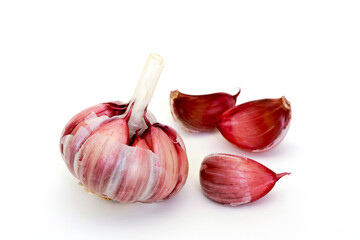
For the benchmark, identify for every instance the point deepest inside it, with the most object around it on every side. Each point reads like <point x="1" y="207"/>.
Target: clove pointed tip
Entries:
<point x="286" y="103"/>
<point x="237" y="94"/>
<point x="174" y="94"/>
<point x="280" y="175"/>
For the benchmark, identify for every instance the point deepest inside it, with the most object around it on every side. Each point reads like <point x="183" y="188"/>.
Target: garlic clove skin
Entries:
<point x="235" y="180"/>
<point x="153" y="168"/>
<point x="108" y="109"/>
<point x="97" y="159"/>
<point x="181" y="157"/>
<point x="256" y="126"/>
<point x="79" y="128"/>
<point x="171" y="160"/>
<point x="199" y="113"/>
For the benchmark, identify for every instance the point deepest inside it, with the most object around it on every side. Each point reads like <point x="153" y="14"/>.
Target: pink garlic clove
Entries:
<point x="199" y="113"/>
<point x="174" y="161"/>
<point x="79" y="128"/>
<point x="96" y="160"/>
<point x="234" y="180"/>
<point x="256" y="126"/>
<point x="109" y="109"/>
<point x="118" y="153"/>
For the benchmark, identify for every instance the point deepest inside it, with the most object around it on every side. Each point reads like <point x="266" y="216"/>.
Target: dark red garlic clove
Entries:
<point x="256" y="126"/>
<point x="234" y="180"/>
<point x="199" y="113"/>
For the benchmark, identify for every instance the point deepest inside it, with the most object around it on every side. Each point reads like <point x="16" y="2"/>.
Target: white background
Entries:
<point x="59" y="57"/>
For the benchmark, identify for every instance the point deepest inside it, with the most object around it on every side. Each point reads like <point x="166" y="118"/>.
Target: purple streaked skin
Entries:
<point x="97" y="149"/>
<point x="200" y="113"/>
<point x="79" y="128"/>
<point x="235" y="180"/>
<point x="256" y="126"/>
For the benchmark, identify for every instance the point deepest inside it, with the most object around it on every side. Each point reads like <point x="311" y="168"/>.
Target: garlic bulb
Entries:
<point x="258" y="125"/>
<point x="199" y="113"/>
<point x="119" y="152"/>
<point x="234" y="180"/>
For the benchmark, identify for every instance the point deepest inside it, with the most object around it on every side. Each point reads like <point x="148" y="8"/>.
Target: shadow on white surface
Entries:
<point x="74" y="200"/>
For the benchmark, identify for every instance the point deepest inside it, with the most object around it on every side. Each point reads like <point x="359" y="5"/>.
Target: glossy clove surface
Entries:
<point x="235" y="180"/>
<point x="256" y="126"/>
<point x="199" y="113"/>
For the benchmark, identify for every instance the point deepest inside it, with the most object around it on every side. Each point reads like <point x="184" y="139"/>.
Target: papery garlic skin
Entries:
<point x="79" y="128"/>
<point x="145" y="172"/>
<point x="159" y="137"/>
<point x="124" y="155"/>
<point x="200" y="113"/>
<point x="235" y="180"/>
<point x="256" y="126"/>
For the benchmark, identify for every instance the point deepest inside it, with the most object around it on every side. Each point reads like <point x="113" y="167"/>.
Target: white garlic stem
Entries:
<point x="144" y="91"/>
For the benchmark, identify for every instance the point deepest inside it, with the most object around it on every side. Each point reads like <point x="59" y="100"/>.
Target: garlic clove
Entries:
<point x="198" y="113"/>
<point x="182" y="158"/>
<point x="96" y="153"/>
<point x="256" y="126"/>
<point x="167" y="160"/>
<point x="234" y="180"/>
<point x="79" y="128"/>
<point x="108" y="109"/>
<point x="138" y="177"/>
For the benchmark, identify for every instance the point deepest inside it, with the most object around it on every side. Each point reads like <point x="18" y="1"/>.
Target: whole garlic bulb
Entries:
<point x="119" y="152"/>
